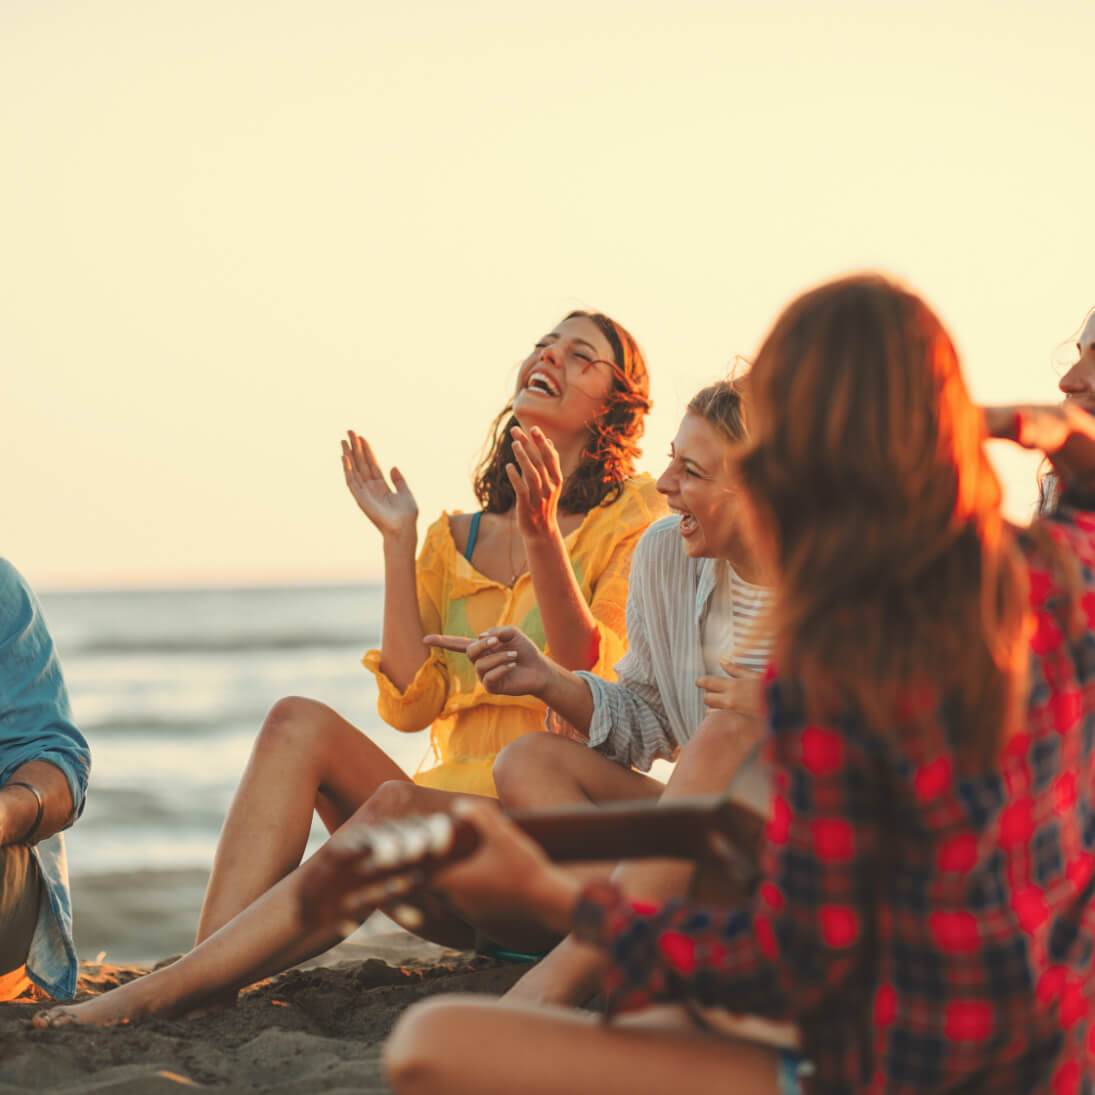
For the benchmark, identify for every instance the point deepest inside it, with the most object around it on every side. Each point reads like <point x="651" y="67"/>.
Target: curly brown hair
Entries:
<point x="608" y="459"/>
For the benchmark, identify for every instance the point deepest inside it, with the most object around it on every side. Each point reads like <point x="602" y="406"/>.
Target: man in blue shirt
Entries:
<point x="44" y="764"/>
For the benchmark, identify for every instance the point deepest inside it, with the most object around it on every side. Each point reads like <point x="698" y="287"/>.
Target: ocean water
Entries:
<point x="169" y="688"/>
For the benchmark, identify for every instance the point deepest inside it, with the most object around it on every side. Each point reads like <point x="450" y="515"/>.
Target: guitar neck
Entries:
<point x="639" y="830"/>
<point x="699" y="828"/>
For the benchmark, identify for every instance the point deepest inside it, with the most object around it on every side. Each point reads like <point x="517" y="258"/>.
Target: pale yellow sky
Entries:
<point x="230" y="229"/>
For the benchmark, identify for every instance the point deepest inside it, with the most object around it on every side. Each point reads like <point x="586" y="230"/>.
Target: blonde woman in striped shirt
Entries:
<point x="687" y="689"/>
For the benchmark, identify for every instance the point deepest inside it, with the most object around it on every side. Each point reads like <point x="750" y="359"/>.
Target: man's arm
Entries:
<point x="39" y="743"/>
<point x="26" y="818"/>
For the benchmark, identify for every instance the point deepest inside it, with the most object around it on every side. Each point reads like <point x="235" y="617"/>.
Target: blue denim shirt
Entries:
<point x="36" y="724"/>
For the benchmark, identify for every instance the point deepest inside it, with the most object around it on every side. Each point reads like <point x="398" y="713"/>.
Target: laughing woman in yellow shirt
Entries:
<point x="570" y="595"/>
<point x="549" y="552"/>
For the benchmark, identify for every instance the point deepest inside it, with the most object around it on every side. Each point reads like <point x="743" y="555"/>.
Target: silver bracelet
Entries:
<point x="29" y="838"/>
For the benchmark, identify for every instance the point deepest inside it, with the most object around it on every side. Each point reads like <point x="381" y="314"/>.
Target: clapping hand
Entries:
<point x="537" y="481"/>
<point x="393" y="511"/>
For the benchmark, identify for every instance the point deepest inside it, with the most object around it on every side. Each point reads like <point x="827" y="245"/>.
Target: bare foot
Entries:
<point x="129" y="1003"/>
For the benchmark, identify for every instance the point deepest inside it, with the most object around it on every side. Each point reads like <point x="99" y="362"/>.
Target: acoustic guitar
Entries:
<point x="381" y="860"/>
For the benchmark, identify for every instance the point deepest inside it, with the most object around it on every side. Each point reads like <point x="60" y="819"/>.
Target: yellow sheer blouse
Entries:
<point x="469" y="725"/>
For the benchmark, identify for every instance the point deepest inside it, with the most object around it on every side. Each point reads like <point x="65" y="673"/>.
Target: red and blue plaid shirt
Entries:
<point x="928" y="932"/>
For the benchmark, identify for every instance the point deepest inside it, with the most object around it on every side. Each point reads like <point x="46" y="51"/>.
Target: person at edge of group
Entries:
<point x="687" y="686"/>
<point x="924" y="914"/>
<point x="44" y="766"/>
<point x="1078" y="385"/>
<point x="562" y="512"/>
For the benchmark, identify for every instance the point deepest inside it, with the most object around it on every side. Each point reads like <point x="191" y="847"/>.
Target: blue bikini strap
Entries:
<point x="473" y="534"/>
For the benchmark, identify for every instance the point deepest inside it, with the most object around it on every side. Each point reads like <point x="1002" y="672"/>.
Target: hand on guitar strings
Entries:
<point x="476" y="861"/>
<point x="508" y="874"/>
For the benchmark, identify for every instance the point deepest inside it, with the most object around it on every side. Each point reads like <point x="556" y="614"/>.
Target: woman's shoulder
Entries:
<point x="660" y="544"/>
<point x="637" y="504"/>
<point x="660" y="557"/>
<point x="644" y="489"/>
<point x="460" y="529"/>
<point x="1052" y="546"/>
<point x="624" y="518"/>
<point x="446" y="534"/>
<point x="664" y="531"/>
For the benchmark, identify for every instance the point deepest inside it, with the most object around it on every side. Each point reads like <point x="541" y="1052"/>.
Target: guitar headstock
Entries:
<point x="366" y="865"/>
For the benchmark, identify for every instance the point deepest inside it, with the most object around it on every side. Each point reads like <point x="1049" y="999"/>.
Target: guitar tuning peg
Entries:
<point x="440" y="828"/>
<point x="407" y="916"/>
<point x="385" y="847"/>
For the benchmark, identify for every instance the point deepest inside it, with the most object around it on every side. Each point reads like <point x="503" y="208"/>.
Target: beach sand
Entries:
<point x="317" y="1028"/>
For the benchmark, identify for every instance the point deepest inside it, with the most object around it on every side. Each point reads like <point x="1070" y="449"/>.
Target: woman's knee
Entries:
<point x="527" y="764"/>
<point x="394" y="798"/>
<point x="419" y="1052"/>
<point x="294" y="721"/>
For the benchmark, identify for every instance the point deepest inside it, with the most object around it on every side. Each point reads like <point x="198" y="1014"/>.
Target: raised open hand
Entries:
<point x="537" y="481"/>
<point x="393" y="511"/>
<point x="507" y="661"/>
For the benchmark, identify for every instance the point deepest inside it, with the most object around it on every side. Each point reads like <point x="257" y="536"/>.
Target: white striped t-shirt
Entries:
<point x="732" y="628"/>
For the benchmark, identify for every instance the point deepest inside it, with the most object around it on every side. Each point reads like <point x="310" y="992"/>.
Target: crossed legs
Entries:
<point x="464" y="1045"/>
<point x="540" y="769"/>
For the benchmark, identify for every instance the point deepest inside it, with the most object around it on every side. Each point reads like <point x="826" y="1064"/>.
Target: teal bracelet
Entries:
<point x="29" y="838"/>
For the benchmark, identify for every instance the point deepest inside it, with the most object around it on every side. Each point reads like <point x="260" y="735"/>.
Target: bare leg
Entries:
<point x="306" y="758"/>
<point x="301" y="750"/>
<point x="706" y="765"/>
<point x="541" y="771"/>
<point x="263" y="939"/>
<point x="461" y="1045"/>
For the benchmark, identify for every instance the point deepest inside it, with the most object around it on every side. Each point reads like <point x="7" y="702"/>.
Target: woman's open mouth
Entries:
<point x="688" y="523"/>
<point x="541" y="383"/>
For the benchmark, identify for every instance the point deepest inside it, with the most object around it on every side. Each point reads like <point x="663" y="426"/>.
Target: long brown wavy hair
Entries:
<point x="896" y="568"/>
<point x="608" y="459"/>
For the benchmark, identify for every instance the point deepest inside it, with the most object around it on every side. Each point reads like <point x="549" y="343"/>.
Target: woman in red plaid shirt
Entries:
<point x="925" y="916"/>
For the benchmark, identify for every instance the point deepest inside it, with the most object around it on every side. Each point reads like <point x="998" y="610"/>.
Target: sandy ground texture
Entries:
<point x="317" y="1028"/>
